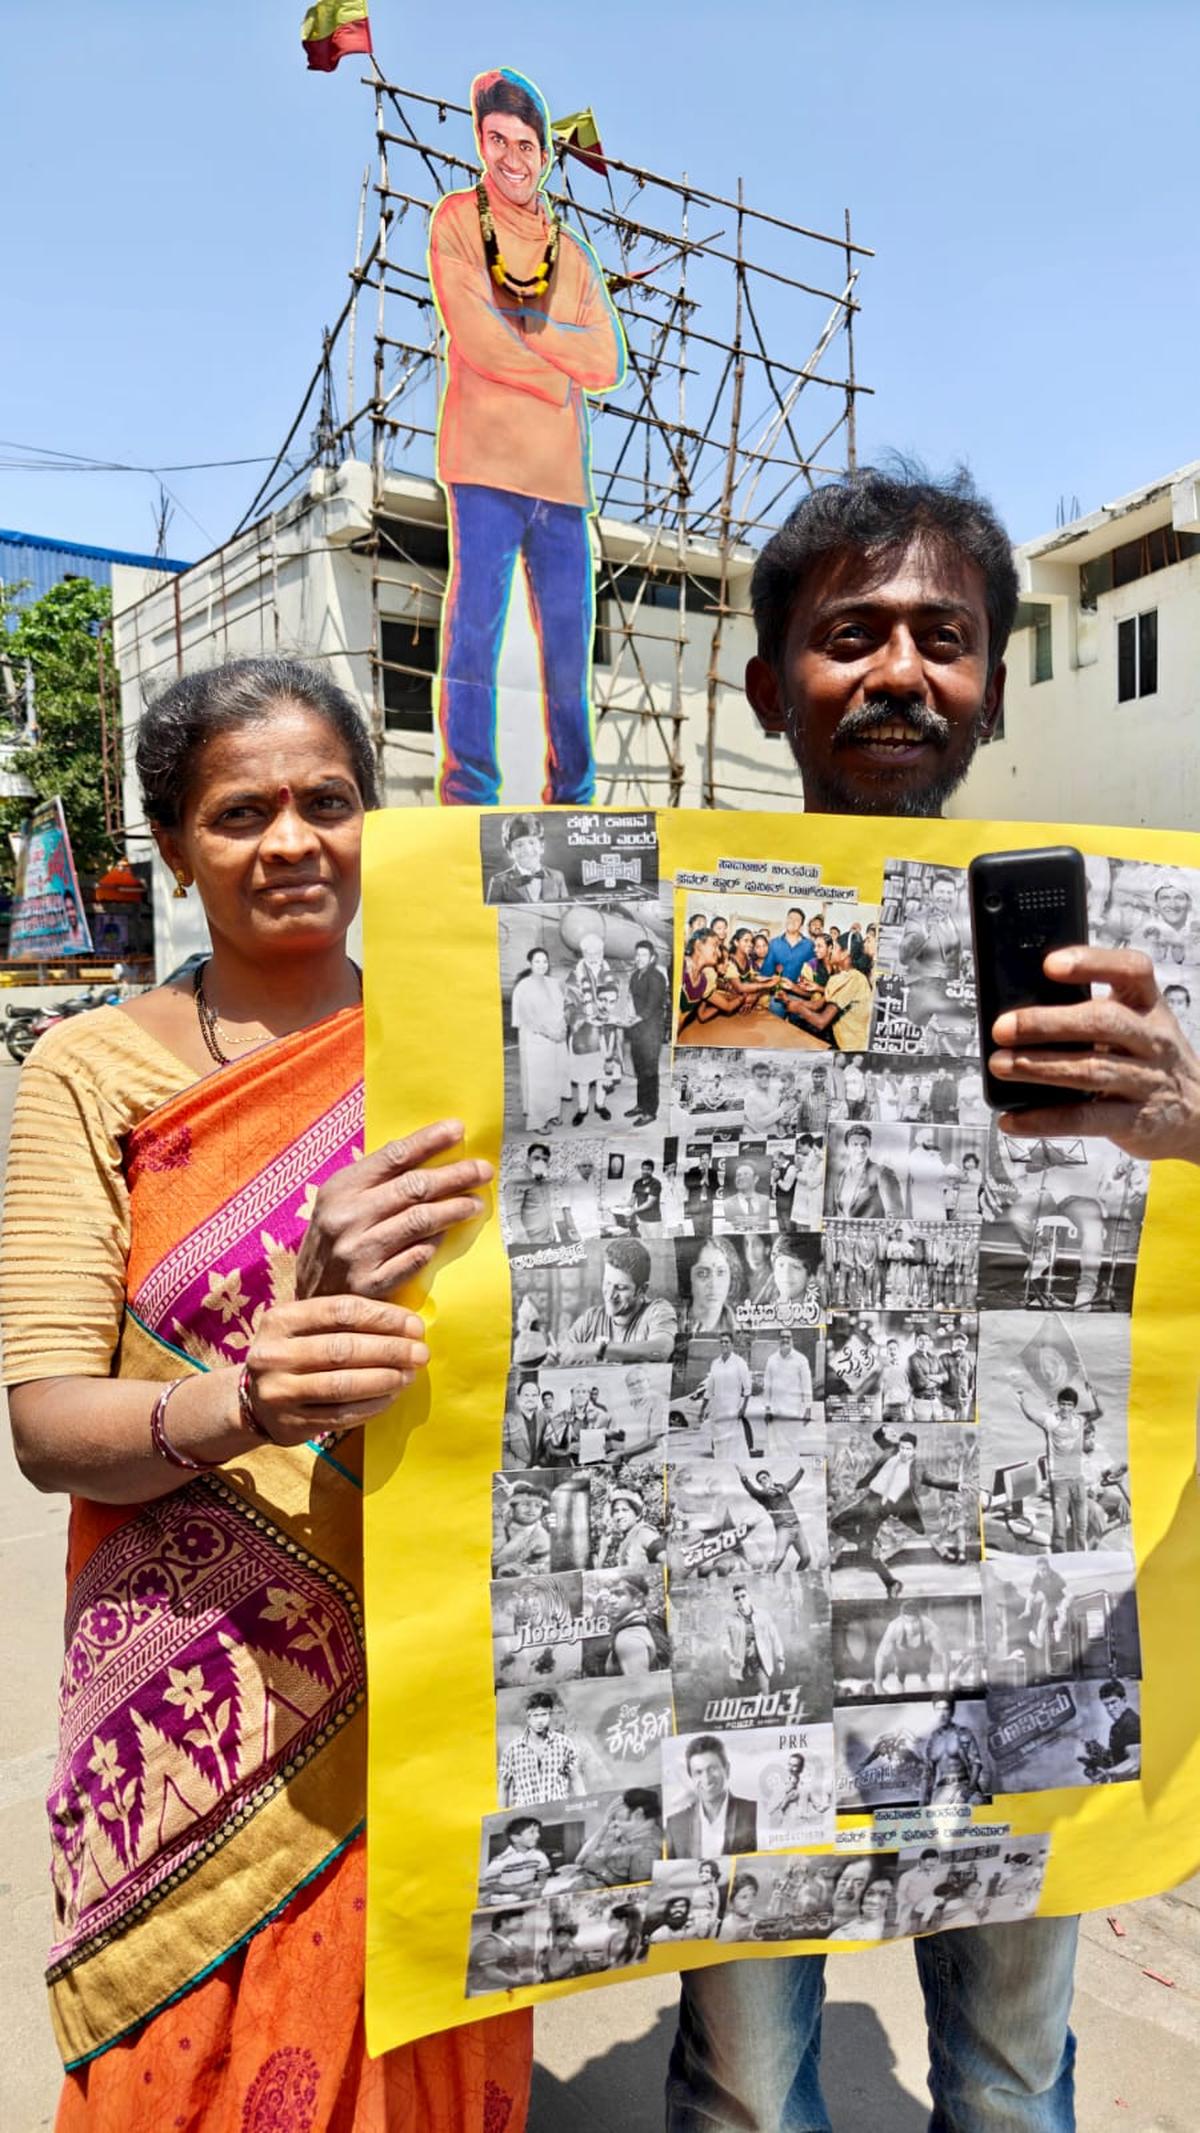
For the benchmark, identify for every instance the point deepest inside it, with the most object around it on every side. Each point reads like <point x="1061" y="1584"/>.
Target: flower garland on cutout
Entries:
<point x="498" y="266"/>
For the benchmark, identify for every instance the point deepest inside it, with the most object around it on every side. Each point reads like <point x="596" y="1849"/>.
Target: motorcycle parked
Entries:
<point x="24" y="1025"/>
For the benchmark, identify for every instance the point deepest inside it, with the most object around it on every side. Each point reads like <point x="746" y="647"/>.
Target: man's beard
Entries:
<point x="827" y="792"/>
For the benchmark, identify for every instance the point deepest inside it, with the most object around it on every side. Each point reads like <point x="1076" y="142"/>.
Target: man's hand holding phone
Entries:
<point x="1125" y="1055"/>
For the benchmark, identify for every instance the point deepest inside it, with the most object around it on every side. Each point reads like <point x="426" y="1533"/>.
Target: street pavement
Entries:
<point x="601" y="2055"/>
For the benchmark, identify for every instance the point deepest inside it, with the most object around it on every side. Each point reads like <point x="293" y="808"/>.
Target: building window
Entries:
<point x="409" y="656"/>
<point x="1041" y="666"/>
<point x="1137" y="656"/>
<point x="1156" y="550"/>
<point x="659" y="589"/>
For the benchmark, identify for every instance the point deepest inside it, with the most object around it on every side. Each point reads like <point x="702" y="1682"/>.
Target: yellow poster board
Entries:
<point x="436" y="1028"/>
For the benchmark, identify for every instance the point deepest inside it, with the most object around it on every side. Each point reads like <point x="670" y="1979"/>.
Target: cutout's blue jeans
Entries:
<point x="997" y="2000"/>
<point x="490" y="528"/>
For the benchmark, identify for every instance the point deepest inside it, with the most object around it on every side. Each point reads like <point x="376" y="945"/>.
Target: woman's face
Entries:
<point x="791" y="1278"/>
<point x="271" y="834"/>
<point x="710" y="1283"/>
<point x="539" y="963"/>
<point x="875" y="1902"/>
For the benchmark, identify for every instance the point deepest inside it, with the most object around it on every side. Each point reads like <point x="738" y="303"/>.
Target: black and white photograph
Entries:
<point x="757" y="1281"/>
<point x="1138" y="903"/>
<point x="580" y="1737"/>
<point x="986" y="1884"/>
<point x="701" y="1884"/>
<point x="875" y="1172"/>
<point x="759" y="1094"/>
<point x="625" y="1613"/>
<point x="903" y="1510"/>
<point x="916" y="1644"/>
<point x="538" y="1629"/>
<point x="1066" y="1733"/>
<point x="603" y="1841"/>
<point x="725" y="1519"/>
<point x="762" y="973"/>
<point x="1053" y="1401"/>
<point x="506" y="1948"/>
<point x="926" y="1090"/>
<point x="549" y="1191"/>
<point x="750" y="1650"/>
<point x="602" y="1412"/>
<point x="925" y="993"/>
<point x="1060" y="1618"/>
<point x="782" y="1414"/>
<point x="584" y="991"/>
<point x="541" y="1522"/>
<point x="592" y="1930"/>
<point x="540" y="857"/>
<point x="805" y="1898"/>
<point x="901" y="1265"/>
<point x="641" y="1189"/>
<point x="928" y="1753"/>
<point x="614" y="1300"/>
<point x="900" y="1366"/>
<point x="1062" y="1221"/>
<point x="765" y="1789"/>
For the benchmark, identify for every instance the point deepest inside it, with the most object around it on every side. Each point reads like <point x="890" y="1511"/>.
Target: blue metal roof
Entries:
<point x="42" y="561"/>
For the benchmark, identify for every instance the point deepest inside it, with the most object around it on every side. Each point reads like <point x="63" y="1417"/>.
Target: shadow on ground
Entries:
<point x="622" y="2090"/>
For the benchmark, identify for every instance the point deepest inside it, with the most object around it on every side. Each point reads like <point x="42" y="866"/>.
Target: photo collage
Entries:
<point x="813" y="1486"/>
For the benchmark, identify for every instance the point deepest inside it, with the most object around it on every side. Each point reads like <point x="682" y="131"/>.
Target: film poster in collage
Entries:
<point x="812" y="1487"/>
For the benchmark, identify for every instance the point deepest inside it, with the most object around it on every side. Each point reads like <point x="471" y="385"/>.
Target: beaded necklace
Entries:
<point x="498" y="266"/>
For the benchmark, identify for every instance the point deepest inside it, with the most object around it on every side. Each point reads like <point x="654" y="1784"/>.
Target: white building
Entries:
<point x="310" y="581"/>
<point x="1102" y="710"/>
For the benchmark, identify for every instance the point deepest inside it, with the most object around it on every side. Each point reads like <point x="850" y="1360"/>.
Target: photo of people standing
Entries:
<point x="584" y="987"/>
<point x="529" y="334"/>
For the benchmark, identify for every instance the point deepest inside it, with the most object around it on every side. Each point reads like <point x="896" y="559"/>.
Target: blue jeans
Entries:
<point x="997" y="2001"/>
<point x="489" y="529"/>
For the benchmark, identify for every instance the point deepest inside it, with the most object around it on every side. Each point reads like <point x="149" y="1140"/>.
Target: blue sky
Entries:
<point x="181" y="198"/>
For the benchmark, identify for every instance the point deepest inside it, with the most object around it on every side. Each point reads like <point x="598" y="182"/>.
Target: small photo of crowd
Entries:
<point x="604" y="1841"/>
<point x="903" y="1510"/>
<point x="1066" y="1733"/>
<point x="580" y="1737"/>
<point x="578" y="1623"/>
<point x="551" y="1519"/>
<point x="758" y="1790"/>
<point x="913" y="1644"/>
<point x="750" y="1650"/>
<point x="1053" y="1401"/>
<point x="725" y="1519"/>
<point x="927" y="1753"/>
<point x="900" y="1366"/>
<point x="901" y="1265"/>
<point x="1062" y="1222"/>
<point x="931" y="1174"/>
<point x="925" y="994"/>
<point x="560" y="858"/>
<point x="586" y="999"/>
<point x="580" y="1417"/>
<point x="757" y="1094"/>
<point x="920" y="1091"/>
<point x="748" y="1395"/>
<point x="1060" y="1618"/>
<point x="765" y="973"/>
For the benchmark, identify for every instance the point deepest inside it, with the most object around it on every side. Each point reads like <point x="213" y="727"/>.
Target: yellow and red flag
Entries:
<point x="331" y="29"/>
<point x="581" y="135"/>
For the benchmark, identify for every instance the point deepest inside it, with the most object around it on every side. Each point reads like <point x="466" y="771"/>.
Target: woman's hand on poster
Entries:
<point x="330" y="1362"/>
<point x="1137" y="1076"/>
<point x="380" y="1221"/>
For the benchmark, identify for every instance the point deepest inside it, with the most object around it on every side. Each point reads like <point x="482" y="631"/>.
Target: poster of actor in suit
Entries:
<point x="530" y="334"/>
<point x="750" y="1650"/>
<point x="568" y="858"/>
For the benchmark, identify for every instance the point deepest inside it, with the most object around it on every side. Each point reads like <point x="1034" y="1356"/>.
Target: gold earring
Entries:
<point x="181" y="887"/>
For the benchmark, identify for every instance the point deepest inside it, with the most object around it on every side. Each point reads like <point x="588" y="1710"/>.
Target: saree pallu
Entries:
<point x="206" y="1806"/>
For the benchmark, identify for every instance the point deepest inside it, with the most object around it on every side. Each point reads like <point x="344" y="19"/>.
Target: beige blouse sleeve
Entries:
<point x="65" y="1237"/>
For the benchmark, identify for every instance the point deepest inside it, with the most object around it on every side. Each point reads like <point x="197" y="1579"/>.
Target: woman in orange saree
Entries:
<point x="206" y="1807"/>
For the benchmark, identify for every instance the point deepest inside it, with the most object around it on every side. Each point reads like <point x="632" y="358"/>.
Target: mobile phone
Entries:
<point x="1023" y="904"/>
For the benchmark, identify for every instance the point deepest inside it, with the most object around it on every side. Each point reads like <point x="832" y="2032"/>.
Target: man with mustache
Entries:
<point x="883" y="606"/>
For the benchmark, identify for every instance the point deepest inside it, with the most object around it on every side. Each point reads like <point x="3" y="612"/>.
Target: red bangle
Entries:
<point x="246" y="1410"/>
<point x="162" y="1443"/>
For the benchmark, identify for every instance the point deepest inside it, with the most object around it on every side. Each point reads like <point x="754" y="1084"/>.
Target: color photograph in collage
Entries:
<point x="925" y="986"/>
<point x="764" y="973"/>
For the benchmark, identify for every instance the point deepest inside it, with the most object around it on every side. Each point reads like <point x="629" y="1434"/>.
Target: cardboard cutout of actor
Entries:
<point x="530" y="331"/>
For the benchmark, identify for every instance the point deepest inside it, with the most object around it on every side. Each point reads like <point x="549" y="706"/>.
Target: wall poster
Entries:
<point x="789" y="1546"/>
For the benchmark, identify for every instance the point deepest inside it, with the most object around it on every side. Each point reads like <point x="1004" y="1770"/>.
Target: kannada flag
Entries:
<point x="331" y="29"/>
<point x="581" y="135"/>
